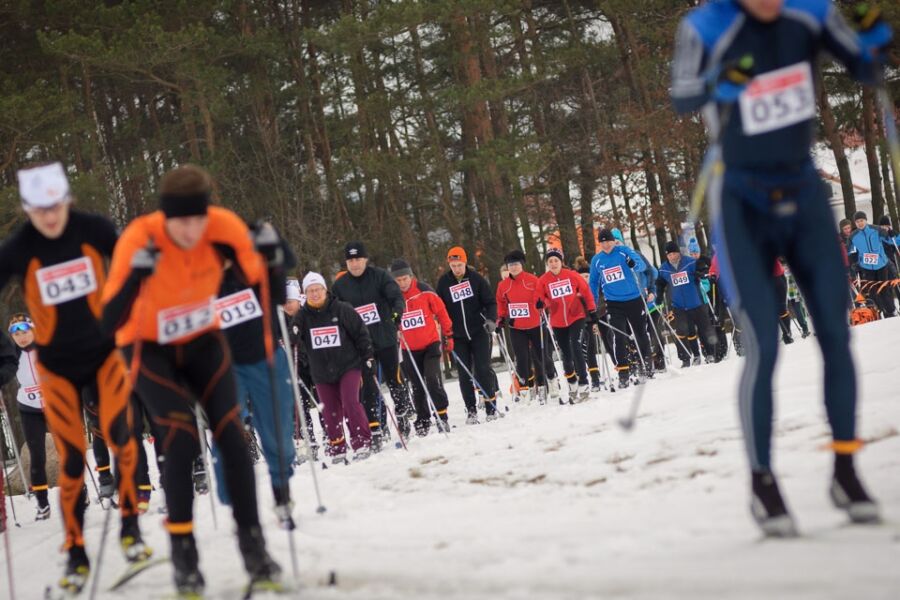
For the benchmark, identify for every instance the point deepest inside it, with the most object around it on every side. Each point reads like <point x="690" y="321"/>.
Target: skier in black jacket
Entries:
<point x="377" y="299"/>
<point x="337" y="347"/>
<point x="473" y="310"/>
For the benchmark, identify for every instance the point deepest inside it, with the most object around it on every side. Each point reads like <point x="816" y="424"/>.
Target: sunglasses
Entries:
<point x="20" y="326"/>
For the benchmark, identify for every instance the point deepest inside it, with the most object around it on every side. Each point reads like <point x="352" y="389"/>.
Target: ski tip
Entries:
<point x="321" y="510"/>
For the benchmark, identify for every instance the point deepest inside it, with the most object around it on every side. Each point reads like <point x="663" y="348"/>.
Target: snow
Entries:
<point x="558" y="502"/>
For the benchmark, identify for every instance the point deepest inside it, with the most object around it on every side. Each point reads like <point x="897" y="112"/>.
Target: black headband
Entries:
<point x="188" y="205"/>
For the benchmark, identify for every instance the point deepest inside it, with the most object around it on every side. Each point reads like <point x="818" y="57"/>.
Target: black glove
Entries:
<point x="539" y="304"/>
<point x="592" y="317"/>
<point x="490" y="326"/>
<point x="370" y="365"/>
<point x="268" y="243"/>
<point x="396" y="318"/>
<point x="630" y="262"/>
<point x="143" y="262"/>
<point x="501" y="323"/>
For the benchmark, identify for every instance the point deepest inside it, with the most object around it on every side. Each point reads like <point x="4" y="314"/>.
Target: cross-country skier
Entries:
<point x="423" y="321"/>
<point x="59" y="257"/>
<point x="375" y="296"/>
<point x="872" y="262"/>
<point x="751" y="63"/>
<point x="472" y="308"/>
<point x="691" y="314"/>
<point x="335" y="341"/>
<point x="519" y="302"/>
<point x="572" y="309"/>
<point x="613" y="275"/>
<point x="31" y="409"/>
<point x="160" y="297"/>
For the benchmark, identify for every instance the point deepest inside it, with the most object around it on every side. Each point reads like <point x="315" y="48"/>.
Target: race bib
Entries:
<point x="412" y="320"/>
<point x="680" y="278"/>
<point x="613" y="274"/>
<point x="778" y="99"/>
<point x="34" y="394"/>
<point x="519" y="311"/>
<point x="325" y="337"/>
<point x="560" y="289"/>
<point x="238" y="308"/>
<point x="870" y="259"/>
<point x="461" y="291"/>
<point x="66" y="281"/>
<point x="179" y="322"/>
<point x="369" y="313"/>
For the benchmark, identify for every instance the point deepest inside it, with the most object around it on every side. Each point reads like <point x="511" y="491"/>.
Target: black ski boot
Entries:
<point x="848" y="493"/>
<point x="768" y="507"/>
<point x="284" y="507"/>
<point x="106" y="484"/>
<point x="132" y="543"/>
<point x="78" y="570"/>
<point x="377" y="440"/>
<point x="265" y="574"/>
<point x="188" y="579"/>
<point x="422" y="427"/>
<point x="624" y="379"/>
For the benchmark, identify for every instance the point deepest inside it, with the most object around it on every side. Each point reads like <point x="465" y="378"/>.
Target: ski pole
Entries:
<point x="6" y="542"/>
<point x="12" y="504"/>
<point x="603" y="361"/>
<point x="201" y="432"/>
<point x="649" y="318"/>
<point x="507" y="359"/>
<point x="282" y="324"/>
<point x="15" y="447"/>
<point x="442" y="427"/>
<point x="390" y="413"/>
<point x="469" y="373"/>
<point x="627" y="422"/>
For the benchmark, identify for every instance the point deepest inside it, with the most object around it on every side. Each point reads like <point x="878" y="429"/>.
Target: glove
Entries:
<point x="501" y="323"/>
<point x="875" y="35"/>
<point x="490" y="327"/>
<point x="630" y="262"/>
<point x="731" y="79"/>
<point x="592" y="317"/>
<point x="268" y="243"/>
<point x="539" y="304"/>
<point x="396" y="317"/>
<point x="370" y="365"/>
<point x="143" y="262"/>
<point x="449" y="345"/>
<point x="650" y="298"/>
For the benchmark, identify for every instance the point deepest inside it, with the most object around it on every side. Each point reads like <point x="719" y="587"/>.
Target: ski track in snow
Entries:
<point x="558" y="502"/>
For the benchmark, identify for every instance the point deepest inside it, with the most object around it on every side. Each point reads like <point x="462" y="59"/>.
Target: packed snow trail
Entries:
<point x="558" y="502"/>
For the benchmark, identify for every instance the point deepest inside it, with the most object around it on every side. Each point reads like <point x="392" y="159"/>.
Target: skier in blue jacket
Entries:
<point x="691" y="315"/>
<point x="613" y="274"/>
<point x="867" y="244"/>
<point x="749" y="65"/>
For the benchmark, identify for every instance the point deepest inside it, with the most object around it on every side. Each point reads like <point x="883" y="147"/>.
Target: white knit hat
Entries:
<point x="293" y="289"/>
<point x="312" y="278"/>
<point x="42" y="187"/>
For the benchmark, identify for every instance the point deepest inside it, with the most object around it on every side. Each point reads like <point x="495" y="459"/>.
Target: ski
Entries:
<point x="135" y="569"/>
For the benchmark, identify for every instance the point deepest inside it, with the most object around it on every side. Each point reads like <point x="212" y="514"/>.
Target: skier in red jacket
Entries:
<point x="421" y="338"/>
<point x="519" y="302"/>
<point x="571" y="303"/>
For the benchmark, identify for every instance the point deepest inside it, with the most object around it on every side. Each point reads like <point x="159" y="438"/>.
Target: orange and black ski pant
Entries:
<point x="171" y="380"/>
<point x="63" y="409"/>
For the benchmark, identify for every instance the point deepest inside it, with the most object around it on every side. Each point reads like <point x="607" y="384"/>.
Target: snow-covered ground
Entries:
<point x="559" y="502"/>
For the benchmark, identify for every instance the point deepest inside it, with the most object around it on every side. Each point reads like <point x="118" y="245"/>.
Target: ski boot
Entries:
<point x="283" y="508"/>
<point x="472" y="417"/>
<point x="554" y="391"/>
<point x="596" y="386"/>
<point x="696" y="361"/>
<point x="787" y="339"/>
<point x="339" y="458"/>
<point x="490" y="410"/>
<point x="805" y="334"/>
<point x="106" y="484"/>
<point x="768" y="508"/>
<point x="78" y="570"/>
<point x="377" y="442"/>
<point x="189" y="581"/>
<point x="540" y="392"/>
<point x="685" y="363"/>
<point x="572" y="393"/>
<point x="584" y="393"/>
<point x="848" y="493"/>
<point x="43" y="513"/>
<point x="624" y="379"/>
<point x="143" y="498"/>
<point x="362" y="454"/>
<point x="201" y="480"/>
<point x="133" y="545"/>
<point x="265" y="574"/>
<point x="444" y="423"/>
<point x="422" y="427"/>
